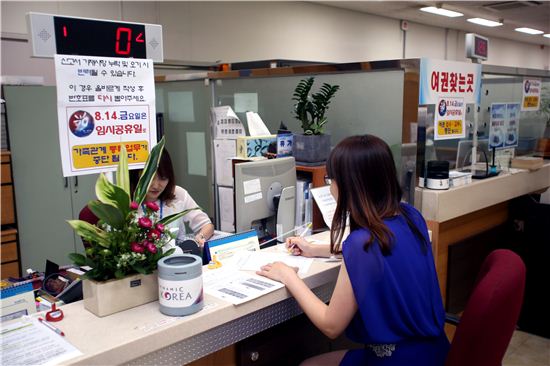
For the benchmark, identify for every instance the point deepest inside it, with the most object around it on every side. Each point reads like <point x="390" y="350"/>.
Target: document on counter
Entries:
<point x="237" y="286"/>
<point x="28" y="342"/>
<point x="326" y="203"/>
<point x="252" y="261"/>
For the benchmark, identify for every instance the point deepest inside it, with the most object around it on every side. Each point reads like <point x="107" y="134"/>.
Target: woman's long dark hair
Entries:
<point x="165" y="170"/>
<point x="368" y="191"/>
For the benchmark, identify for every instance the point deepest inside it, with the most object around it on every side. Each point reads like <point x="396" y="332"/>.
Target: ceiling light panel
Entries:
<point x="484" y="22"/>
<point x="441" y="11"/>
<point x="529" y="30"/>
<point x="547" y="35"/>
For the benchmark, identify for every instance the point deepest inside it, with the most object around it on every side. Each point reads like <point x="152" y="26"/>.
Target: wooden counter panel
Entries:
<point x="6" y="173"/>
<point x="453" y="231"/>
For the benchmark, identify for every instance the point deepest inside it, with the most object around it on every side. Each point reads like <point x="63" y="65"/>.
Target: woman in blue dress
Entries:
<point x="387" y="294"/>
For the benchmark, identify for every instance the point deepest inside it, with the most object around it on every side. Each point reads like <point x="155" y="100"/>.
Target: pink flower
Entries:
<point x="153" y="234"/>
<point x="134" y="205"/>
<point x="136" y="247"/>
<point x="152" y="206"/>
<point x="160" y="227"/>
<point x="151" y="247"/>
<point x="145" y="222"/>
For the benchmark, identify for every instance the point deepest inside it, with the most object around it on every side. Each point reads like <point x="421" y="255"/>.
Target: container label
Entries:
<point x="178" y="294"/>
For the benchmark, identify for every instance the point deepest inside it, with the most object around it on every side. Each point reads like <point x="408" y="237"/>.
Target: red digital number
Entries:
<point x="119" y="32"/>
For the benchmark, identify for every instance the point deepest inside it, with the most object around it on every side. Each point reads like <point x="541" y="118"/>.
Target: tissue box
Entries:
<point x="253" y="146"/>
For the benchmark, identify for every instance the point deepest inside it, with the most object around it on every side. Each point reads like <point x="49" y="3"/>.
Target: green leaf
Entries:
<point x="139" y="269"/>
<point x="111" y="194"/>
<point x="110" y="215"/>
<point x="77" y="259"/>
<point x="90" y="232"/>
<point x="122" y="174"/>
<point x="149" y="171"/>
<point x="119" y="274"/>
<point x="170" y="218"/>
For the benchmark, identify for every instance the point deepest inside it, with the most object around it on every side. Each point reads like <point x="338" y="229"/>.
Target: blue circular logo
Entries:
<point x="442" y="108"/>
<point x="81" y="123"/>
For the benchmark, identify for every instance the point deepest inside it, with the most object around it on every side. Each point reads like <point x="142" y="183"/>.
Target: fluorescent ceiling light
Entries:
<point x="546" y="35"/>
<point x="484" y="22"/>
<point x="441" y="11"/>
<point x="529" y="30"/>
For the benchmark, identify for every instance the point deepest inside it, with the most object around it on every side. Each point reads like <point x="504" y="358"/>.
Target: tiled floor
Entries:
<point x="527" y="350"/>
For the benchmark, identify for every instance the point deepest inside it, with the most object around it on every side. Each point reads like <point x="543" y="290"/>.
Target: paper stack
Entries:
<point x="457" y="179"/>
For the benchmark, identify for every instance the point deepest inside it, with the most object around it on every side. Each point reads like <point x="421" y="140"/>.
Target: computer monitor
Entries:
<point x="464" y="153"/>
<point x="265" y="193"/>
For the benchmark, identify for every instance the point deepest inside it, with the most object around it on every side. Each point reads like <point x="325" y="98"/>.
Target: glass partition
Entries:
<point x="185" y="108"/>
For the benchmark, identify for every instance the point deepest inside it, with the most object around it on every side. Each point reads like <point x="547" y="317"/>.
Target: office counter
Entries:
<point x="462" y="212"/>
<point x="143" y="335"/>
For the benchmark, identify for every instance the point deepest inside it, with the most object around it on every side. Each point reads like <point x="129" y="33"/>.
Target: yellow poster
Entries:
<point x="100" y="155"/>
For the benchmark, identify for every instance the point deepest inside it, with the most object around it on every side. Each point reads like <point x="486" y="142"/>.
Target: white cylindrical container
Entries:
<point x="180" y="284"/>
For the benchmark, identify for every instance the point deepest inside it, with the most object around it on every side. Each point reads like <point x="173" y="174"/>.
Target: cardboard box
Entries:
<point x="254" y="146"/>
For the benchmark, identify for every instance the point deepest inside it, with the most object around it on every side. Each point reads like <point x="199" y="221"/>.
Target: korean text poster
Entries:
<point x="104" y="102"/>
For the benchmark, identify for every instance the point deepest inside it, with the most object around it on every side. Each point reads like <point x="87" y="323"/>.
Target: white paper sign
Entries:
<point x="440" y="78"/>
<point x="326" y="203"/>
<point x="225" y="123"/>
<point x="531" y="94"/>
<point x="101" y="103"/>
<point x="449" y="119"/>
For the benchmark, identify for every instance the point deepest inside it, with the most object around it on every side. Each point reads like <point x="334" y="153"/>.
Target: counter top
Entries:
<point x="143" y="335"/>
<point x="441" y="206"/>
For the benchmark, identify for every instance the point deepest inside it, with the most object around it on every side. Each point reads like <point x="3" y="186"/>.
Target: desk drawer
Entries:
<point x="10" y="270"/>
<point x="6" y="173"/>
<point x="8" y="212"/>
<point x="8" y="252"/>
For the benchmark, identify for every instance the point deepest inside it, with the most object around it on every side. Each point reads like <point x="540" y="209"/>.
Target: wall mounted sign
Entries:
<point x="103" y="102"/>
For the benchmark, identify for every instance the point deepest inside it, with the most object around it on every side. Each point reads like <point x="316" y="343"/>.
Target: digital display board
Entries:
<point x="75" y="36"/>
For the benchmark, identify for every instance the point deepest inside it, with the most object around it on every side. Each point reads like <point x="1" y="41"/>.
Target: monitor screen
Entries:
<point x="265" y="197"/>
<point x="464" y="153"/>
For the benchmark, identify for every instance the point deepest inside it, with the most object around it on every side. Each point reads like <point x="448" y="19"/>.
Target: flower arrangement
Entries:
<point x="123" y="243"/>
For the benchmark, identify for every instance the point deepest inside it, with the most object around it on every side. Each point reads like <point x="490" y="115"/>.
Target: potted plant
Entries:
<point x="313" y="146"/>
<point x="124" y="248"/>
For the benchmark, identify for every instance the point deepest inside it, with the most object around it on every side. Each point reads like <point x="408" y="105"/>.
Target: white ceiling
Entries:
<point x="514" y="14"/>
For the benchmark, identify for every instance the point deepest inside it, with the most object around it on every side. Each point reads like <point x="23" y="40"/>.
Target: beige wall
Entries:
<point x="244" y="31"/>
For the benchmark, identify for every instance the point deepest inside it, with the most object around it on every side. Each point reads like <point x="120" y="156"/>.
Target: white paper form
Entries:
<point x="252" y="261"/>
<point x="227" y="210"/>
<point x="28" y="342"/>
<point x="235" y="286"/>
<point x="224" y="150"/>
<point x="325" y="202"/>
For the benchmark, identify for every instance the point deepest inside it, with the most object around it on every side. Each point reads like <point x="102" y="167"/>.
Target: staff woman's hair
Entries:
<point x="165" y="170"/>
<point x="368" y="191"/>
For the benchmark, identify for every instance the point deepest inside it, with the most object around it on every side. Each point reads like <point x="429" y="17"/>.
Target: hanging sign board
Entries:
<point x="439" y="78"/>
<point x="449" y="120"/>
<point x="103" y="102"/>
<point x="531" y="94"/>
<point x="450" y="85"/>
<point x="504" y="125"/>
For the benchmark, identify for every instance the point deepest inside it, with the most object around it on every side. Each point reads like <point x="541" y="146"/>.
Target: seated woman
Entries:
<point x="387" y="294"/>
<point x="173" y="199"/>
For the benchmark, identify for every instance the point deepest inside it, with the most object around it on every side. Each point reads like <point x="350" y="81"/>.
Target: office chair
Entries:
<point x="491" y="314"/>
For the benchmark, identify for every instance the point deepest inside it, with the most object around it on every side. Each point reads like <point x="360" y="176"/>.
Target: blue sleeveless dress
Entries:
<point x="400" y="315"/>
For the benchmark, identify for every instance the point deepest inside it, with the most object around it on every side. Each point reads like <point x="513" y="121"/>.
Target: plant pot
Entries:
<point x="112" y="296"/>
<point x="311" y="148"/>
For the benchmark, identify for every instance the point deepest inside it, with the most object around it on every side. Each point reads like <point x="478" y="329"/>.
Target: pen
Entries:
<point x="308" y="226"/>
<point x="55" y="329"/>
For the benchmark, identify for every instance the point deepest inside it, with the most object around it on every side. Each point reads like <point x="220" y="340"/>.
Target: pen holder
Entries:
<point x="180" y="284"/>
